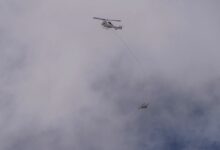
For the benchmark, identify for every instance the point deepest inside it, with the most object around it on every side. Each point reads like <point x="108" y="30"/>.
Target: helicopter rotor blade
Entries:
<point x="106" y="19"/>
<point x="114" y="20"/>
<point x="99" y="18"/>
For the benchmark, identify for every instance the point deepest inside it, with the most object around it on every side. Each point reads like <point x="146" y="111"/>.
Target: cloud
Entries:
<point x="68" y="84"/>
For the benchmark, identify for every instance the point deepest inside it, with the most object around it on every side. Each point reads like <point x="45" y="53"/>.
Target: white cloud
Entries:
<point x="67" y="83"/>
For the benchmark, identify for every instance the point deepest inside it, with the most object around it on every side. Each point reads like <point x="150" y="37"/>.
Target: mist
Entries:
<point x="68" y="83"/>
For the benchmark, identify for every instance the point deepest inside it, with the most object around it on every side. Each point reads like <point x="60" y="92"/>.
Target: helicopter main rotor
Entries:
<point x="103" y="19"/>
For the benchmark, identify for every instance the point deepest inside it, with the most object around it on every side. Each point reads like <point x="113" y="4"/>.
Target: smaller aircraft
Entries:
<point x="144" y="106"/>
<point x="107" y="23"/>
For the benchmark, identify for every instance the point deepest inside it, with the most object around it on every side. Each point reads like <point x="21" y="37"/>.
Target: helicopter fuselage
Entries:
<point x="108" y="24"/>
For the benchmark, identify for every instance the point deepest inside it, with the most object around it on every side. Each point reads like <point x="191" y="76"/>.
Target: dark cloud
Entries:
<point x="176" y="119"/>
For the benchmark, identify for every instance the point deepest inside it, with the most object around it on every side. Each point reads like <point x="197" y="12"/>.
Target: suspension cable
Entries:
<point x="131" y="52"/>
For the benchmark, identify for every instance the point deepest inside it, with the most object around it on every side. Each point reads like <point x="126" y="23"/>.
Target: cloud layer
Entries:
<point x="66" y="83"/>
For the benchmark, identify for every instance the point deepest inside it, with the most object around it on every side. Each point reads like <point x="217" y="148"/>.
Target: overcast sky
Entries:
<point x="67" y="83"/>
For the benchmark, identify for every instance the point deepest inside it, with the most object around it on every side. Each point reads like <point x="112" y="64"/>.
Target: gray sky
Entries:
<point x="67" y="83"/>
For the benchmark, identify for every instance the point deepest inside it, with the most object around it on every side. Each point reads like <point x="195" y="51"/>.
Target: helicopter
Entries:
<point x="144" y="106"/>
<point x="108" y="24"/>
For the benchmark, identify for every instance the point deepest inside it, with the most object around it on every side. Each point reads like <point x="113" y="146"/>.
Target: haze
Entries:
<point x="67" y="83"/>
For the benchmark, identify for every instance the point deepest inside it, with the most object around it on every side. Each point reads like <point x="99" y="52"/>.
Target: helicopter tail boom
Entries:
<point x="117" y="28"/>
